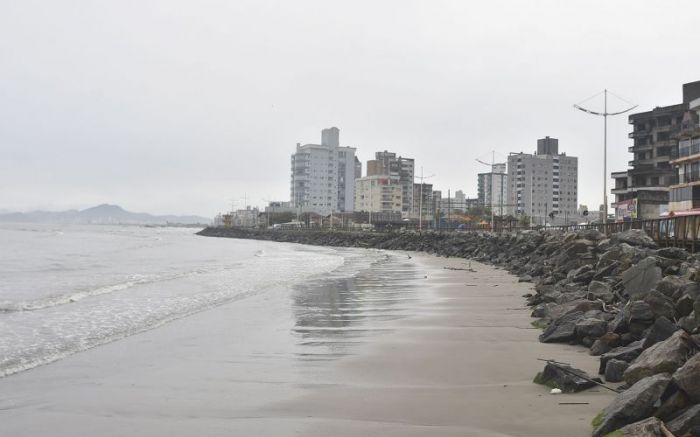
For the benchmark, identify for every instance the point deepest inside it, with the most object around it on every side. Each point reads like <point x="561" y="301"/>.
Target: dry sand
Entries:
<point x="459" y="362"/>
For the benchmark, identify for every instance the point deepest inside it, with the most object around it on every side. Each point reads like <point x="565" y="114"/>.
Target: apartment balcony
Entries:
<point x="640" y="148"/>
<point x="639" y="133"/>
<point x="686" y="178"/>
<point x="620" y="190"/>
<point x="688" y="151"/>
<point x="670" y="142"/>
<point x="642" y="169"/>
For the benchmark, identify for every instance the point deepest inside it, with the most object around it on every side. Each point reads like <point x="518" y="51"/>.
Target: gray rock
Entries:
<point x="619" y="324"/>
<point x="659" y="331"/>
<point x="661" y="305"/>
<point x="622" y="353"/>
<point x="614" y="370"/>
<point x="600" y="290"/>
<point x="589" y="327"/>
<point x="639" y="311"/>
<point x="687" y="378"/>
<point x="663" y="357"/>
<point x="583" y="274"/>
<point x="685" y="421"/>
<point x="635" y="403"/>
<point x="670" y="285"/>
<point x="689" y="323"/>
<point x="525" y="278"/>
<point x="651" y="427"/>
<point x="564" y="377"/>
<point x="673" y="253"/>
<point x="634" y="237"/>
<point x="673" y="403"/>
<point x="562" y="329"/>
<point x="685" y="303"/>
<point x="598" y="348"/>
<point x="641" y="277"/>
<point x="605" y="343"/>
<point x="607" y="270"/>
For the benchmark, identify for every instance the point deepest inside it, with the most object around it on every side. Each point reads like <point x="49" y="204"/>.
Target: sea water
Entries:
<point x="68" y="288"/>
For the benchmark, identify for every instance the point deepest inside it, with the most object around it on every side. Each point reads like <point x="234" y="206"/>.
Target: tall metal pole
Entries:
<point x="605" y="115"/>
<point x="448" y="209"/>
<point x="371" y="205"/>
<point x="605" y="157"/>
<point x="420" y="203"/>
<point x="493" y="161"/>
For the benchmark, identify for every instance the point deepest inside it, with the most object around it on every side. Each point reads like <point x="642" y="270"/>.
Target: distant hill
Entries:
<point x="102" y="214"/>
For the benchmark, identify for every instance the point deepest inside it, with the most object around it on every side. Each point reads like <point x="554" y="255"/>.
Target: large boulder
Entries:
<point x="651" y="427"/>
<point x="685" y="421"/>
<point x="672" y="404"/>
<point x="605" y="343"/>
<point x="564" y="377"/>
<point x="590" y="327"/>
<point x="687" y="378"/>
<point x="583" y="274"/>
<point x="638" y="311"/>
<point x="634" y="237"/>
<point x="615" y="369"/>
<point x="622" y="353"/>
<point x="633" y="404"/>
<point x="659" y="331"/>
<point x="686" y="301"/>
<point x="660" y="305"/>
<point x="673" y="253"/>
<point x="641" y="277"/>
<point x="663" y="357"/>
<point x="600" y="290"/>
<point x="670" y="285"/>
<point x="562" y="329"/>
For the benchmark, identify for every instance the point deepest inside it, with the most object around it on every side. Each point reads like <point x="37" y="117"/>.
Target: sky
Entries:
<point x="189" y="107"/>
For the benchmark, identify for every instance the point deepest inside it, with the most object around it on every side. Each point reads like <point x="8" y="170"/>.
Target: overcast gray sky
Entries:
<point x="179" y="106"/>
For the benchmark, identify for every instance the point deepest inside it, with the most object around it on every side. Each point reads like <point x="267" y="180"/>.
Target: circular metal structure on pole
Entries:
<point x="605" y="115"/>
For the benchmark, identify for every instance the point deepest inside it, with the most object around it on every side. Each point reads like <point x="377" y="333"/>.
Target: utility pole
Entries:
<point x="420" y="199"/>
<point x="605" y="115"/>
<point x="448" y="210"/>
<point x="370" y="202"/>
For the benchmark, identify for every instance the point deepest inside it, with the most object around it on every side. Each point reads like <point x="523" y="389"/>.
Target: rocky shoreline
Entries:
<point x="635" y="305"/>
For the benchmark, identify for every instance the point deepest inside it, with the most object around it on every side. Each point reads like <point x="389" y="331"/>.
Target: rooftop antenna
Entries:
<point x="605" y="115"/>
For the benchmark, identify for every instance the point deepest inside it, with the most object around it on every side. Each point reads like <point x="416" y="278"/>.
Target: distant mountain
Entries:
<point x="102" y="214"/>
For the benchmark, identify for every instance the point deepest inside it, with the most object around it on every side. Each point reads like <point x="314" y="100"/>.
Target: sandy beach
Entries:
<point x="438" y="352"/>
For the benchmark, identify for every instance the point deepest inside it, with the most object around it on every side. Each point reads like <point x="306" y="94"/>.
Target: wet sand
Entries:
<point x="391" y="353"/>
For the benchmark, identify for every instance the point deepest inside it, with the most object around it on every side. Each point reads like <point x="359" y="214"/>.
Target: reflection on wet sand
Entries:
<point x="334" y="314"/>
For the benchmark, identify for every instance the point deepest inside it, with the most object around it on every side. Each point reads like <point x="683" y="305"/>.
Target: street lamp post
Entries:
<point x="605" y="115"/>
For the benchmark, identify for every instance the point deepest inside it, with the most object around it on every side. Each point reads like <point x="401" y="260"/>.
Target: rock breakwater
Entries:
<point x="633" y="304"/>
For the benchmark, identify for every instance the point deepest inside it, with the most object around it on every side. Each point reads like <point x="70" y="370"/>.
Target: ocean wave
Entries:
<point x="76" y="296"/>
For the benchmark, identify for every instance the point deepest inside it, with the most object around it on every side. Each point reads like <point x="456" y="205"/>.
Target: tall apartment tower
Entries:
<point x="642" y="191"/>
<point x="397" y="168"/>
<point x="492" y="188"/>
<point x="323" y="175"/>
<point x="542" y="183"/>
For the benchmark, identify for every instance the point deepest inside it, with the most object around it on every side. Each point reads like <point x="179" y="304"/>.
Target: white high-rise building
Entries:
<point x="543" y="183"/>
<point x="492" y="188"/>
<point x="323" y="175"/>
